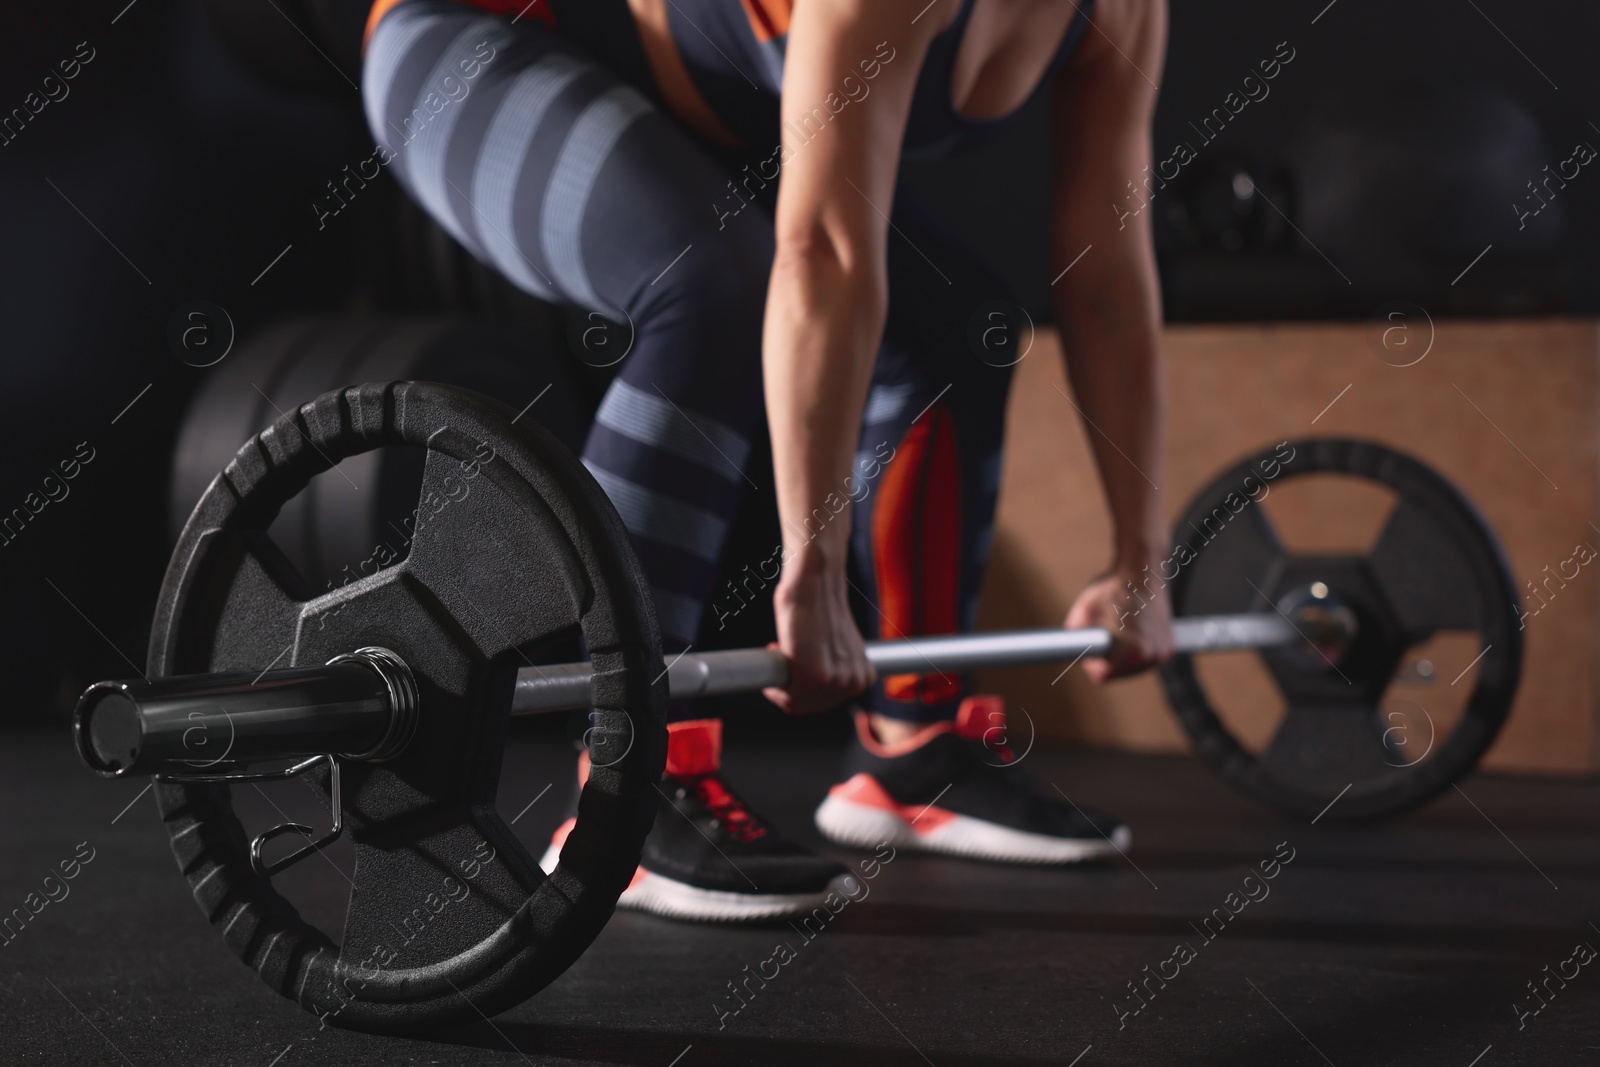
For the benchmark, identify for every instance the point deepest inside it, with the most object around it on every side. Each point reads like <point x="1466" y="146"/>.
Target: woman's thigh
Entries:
<point x="545" y="164"/>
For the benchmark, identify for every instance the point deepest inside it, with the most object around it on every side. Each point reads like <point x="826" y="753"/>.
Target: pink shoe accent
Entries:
<point x="870" y="742"/>
<point x="694" y="747"/>
<point x="864" y="789"/>
<point x="982" y="717"/>
<point x="978" y="714"/>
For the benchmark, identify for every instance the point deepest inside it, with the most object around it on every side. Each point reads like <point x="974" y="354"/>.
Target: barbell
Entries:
<point x="390" y="695"/>
<point x="362" y="705"/>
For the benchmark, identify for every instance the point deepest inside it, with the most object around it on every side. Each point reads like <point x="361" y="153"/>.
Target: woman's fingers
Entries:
<point x="1141" y="632"/>
<point x="822" y="678"/>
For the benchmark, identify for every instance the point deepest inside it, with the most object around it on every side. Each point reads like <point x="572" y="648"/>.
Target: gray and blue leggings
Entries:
<point x="579" y="189"/>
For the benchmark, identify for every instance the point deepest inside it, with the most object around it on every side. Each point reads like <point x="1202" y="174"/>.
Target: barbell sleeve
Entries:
<point x="566" y="687"/>
<point x="362" y="705"/>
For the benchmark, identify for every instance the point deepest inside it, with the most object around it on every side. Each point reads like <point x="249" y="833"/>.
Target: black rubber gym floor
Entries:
<point x="1411" y="942"/>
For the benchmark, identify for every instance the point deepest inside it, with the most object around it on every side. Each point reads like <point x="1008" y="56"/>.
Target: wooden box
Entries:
<point x="1506" y="410"/>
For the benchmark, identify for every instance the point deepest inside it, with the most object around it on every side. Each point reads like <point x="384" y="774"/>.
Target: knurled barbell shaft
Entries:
<point x="565" y="687"/>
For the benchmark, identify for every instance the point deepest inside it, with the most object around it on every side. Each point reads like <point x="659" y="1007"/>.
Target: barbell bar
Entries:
<point x="363" y="705"/>
<point x="566" y="687"/>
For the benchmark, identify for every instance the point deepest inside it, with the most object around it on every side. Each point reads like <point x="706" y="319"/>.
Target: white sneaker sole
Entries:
<point x="659" y="895"/>
<point x="845" y="822"/>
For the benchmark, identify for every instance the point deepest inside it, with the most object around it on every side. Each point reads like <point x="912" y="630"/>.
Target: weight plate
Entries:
<point x="332" y="527"/>
<point x="518" y="544"/>
<point x="1434" y="567"/>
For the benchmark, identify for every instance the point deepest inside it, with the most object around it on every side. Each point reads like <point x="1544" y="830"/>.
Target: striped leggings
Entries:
<point x="571" y="181"/>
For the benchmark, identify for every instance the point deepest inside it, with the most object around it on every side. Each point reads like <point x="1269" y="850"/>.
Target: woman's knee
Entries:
<point x="658" y="227"/>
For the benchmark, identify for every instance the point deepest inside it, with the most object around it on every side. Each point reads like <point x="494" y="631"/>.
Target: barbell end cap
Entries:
<point x="107" y="729"/>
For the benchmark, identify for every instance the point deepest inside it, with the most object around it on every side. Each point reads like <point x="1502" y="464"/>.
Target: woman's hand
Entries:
<point x="1141" y="626"/>
<point x="827" y="658"/>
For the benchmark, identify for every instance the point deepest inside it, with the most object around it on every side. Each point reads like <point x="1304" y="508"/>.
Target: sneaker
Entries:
<point x="709" y="857"/>
<point x="952" y="789"/>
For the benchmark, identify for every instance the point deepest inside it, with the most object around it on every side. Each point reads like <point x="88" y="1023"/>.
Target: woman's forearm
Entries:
<point x="1110" y="330"/>
<point x="824" y="317"/>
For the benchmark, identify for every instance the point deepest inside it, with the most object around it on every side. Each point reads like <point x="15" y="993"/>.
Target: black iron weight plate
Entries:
<point x="1435" y="567"/>
<point x="333" y="524"/>
<point x="514" y="542"/>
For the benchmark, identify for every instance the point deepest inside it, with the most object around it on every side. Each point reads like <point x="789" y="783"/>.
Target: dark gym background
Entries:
<point x="183" y="166"/>
<point x="190" y="151"/>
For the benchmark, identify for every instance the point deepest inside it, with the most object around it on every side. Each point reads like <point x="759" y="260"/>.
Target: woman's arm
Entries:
<point x="1108" y="307"/>
<point x="826" y="305"/>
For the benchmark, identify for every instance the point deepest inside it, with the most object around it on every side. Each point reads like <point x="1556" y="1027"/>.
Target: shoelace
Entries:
<point x="727" y="808"/>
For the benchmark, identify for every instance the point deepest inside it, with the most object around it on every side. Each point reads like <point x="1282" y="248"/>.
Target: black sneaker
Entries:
<point x="952" y="789"/>
<point x="708" y="857"/>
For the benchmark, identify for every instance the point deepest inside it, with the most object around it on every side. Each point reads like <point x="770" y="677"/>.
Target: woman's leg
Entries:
<point x="549" y="168"/>
<point x="930" y="450"/>
<point x="922" y="535"/>
<point x="573" y="185"/>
